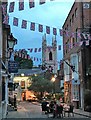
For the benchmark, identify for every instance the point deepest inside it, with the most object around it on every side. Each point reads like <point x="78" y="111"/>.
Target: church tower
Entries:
<point x="49" y="54"/>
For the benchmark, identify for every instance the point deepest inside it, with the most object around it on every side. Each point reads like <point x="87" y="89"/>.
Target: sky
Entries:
<point x="52" y="13"/>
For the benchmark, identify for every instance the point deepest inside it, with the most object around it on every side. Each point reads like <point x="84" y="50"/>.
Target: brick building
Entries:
<point x="76" y="52"/>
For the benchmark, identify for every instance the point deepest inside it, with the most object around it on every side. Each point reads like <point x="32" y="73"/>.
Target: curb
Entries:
<point x="82" y="114"/>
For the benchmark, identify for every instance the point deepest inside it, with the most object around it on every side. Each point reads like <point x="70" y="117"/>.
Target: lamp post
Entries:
<point x="53" y="81"/>
<point x="11" y="42"/>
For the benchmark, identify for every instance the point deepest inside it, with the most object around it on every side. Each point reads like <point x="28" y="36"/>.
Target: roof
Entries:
<point x="28" y="72"/>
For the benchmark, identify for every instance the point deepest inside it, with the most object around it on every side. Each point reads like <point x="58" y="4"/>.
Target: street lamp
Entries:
<point x="11" y="41"/>
<point x="53" y="80"/>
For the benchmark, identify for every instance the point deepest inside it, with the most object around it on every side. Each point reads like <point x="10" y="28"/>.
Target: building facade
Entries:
<point x="49" y="54"/>
<point x="76" y="52"/>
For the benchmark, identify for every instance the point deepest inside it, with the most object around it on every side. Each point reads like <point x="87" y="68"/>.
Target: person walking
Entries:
<point x="55" y="109"/>
<point x="59" y="110"/>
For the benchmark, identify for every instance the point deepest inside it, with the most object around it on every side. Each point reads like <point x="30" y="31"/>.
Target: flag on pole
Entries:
<point x="24" y="24"/>
<point x="15" y="21"/>
<point x="32" y="26"/>
<point x="31" y="3"/>
<point x="40" y="28"/>
<point x="21" y="5"/>
<point x="11" y="7"/>
<point x="54" y="31"/>
<point x="42" y="2"/>
<point x="47" y="29"/>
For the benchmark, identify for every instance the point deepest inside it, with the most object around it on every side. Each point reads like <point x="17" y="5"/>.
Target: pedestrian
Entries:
<point x="59" y="110"/>
<point x="55" y="109"/>
<point x="44" y="106"/>
<point x="71" y="108"/>
<point x="15" y="104"/>
<point x="51" y="106"/>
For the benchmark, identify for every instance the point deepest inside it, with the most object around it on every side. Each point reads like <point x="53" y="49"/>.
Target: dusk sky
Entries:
<point x="52" y="14"/>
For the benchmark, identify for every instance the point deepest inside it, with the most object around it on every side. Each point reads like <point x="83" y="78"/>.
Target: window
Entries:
<point x="72" y="18"/>
<point x="50" y="56"/>
<point x="76" y="12"/>
<point x="70" y="22"/>
<point x="73" y="42"/>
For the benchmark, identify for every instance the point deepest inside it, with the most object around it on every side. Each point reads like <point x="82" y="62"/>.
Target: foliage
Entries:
<point x="40" y="84"/>
<point x="24" y="63"/>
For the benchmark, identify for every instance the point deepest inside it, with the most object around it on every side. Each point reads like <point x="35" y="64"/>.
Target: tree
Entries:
<point x="41" y="84"/>
<point x="24" y="63"/>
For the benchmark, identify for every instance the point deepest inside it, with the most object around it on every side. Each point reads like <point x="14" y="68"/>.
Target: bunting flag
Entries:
<point x="59" y="47"/>
<point x="81" y="36"/>
<point x="11" y="7"/>
<point x="42" y="2"/>
<point x="35" y="50"/>
<point x="80" y="44"/>
<point x="47" y="29"/>
<point x="37" y="59"/>
<point x="40" y="28"/>
<point x="30" y="50"/>
<point x="21" y="5"/>
<point x="87" y="42"/>
<point x="15" y="21"/>
<point x="24" y="24"/>
<point x="89" y="37"/>
<point x="4" y="9"/>
<point x="34" y="58"/>
<point x="39" y="50"/>
<point x="61" y="32"/>
<point x="28" y="57"/>
<point x="31" y="3"/>
<point x="6" y="20"/>
<point x="32" y="26"/>
<point x="54" y="31"/>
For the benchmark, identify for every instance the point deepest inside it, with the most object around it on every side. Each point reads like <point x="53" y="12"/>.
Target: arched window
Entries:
<point x="50" y="56"/>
